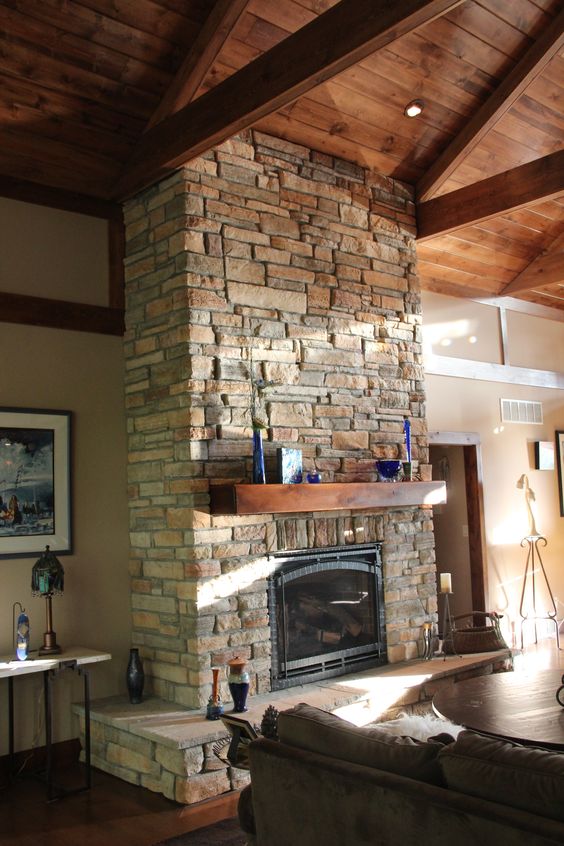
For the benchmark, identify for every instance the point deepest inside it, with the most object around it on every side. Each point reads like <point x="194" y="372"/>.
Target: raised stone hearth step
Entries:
<point x="169" y="749"/>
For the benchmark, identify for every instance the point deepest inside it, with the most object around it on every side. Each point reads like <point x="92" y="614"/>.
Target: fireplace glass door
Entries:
<point x="326" y="613"/>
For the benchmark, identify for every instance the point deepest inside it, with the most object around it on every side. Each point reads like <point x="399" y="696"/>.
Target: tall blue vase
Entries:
<point x="259" y="476"/>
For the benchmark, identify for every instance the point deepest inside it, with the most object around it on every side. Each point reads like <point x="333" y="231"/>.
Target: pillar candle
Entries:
<point x="445" y="582"/>
<point x="215" y="683"/>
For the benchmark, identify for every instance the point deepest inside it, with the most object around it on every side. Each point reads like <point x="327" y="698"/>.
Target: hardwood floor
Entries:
<point x="112" y="813"/>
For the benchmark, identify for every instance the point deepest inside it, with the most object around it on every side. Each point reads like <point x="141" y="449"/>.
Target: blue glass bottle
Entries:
<point x="259" y="476"/>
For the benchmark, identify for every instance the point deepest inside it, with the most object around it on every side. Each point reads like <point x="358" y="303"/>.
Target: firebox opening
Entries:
<point x="326" y="610"/>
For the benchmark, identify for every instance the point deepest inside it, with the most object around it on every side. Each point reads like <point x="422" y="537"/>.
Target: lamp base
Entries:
<point x="50" y="645"/>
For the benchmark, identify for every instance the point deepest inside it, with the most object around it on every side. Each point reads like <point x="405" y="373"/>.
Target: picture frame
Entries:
<point x="242" y="733"/>
<point x="544" y="455"/>
<point x="559" y="435"/>
<point x="35" y="482"/>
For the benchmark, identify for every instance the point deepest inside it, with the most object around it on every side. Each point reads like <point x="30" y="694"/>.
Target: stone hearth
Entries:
<point x="169" y="749"/>
<point x="265" y="261"/>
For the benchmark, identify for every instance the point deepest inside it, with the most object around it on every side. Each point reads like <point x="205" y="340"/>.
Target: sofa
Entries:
<point x="325" y="782"/>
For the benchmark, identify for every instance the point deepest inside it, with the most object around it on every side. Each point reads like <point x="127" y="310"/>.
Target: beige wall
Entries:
<point x="464" y="405"/>
<point x="83" y="373"/>
<point x="451" y="526"/>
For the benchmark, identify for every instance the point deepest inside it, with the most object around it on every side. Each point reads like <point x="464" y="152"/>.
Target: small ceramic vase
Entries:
<point x="238" y="684"/>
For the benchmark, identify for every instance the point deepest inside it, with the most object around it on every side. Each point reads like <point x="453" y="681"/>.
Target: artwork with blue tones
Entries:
<point x="34" y="481"/>
<point x="289" y="465"/>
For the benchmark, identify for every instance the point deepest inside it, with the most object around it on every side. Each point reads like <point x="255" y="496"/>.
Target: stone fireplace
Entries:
<point x="265" y="262"/>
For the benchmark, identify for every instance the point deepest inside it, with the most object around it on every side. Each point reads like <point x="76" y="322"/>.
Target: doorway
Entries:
<point x="458" y="523"/>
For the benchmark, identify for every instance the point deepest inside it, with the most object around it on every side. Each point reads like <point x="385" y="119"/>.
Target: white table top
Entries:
<point x="10" y="667"/>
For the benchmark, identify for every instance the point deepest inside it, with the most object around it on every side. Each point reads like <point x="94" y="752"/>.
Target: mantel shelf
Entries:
<point x="288" y="499"/>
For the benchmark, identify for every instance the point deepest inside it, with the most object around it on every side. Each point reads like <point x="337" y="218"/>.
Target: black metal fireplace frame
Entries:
<point x="364" y="558"/>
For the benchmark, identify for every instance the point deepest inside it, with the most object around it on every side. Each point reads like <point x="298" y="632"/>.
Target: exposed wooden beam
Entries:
<point x="201" y="57"/>
<point x="546" y="269"/>
<point x="328" y="45"/>
<point x="542" y="179"/>
<point x="464" y="368"/>
<point x="60" y="314"/>
<point x="483" y="121"/>
<point x="523" y="306"/>
<point x="57" y="198"/>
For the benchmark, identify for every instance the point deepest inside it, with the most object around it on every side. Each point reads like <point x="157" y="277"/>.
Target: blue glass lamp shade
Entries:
<point x="47" y="576"/>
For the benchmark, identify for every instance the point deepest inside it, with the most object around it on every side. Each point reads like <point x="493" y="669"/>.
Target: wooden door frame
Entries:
<point x="472" y="452"/>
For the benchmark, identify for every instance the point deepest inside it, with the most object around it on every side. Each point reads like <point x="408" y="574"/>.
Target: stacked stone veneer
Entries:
<point x="265" y="258"/>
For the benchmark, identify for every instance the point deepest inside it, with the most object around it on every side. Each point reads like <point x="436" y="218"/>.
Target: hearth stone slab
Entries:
<point x="169" y="749"/>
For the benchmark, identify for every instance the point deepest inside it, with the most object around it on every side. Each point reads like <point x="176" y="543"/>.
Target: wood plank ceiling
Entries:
<point x="98" y="98"/>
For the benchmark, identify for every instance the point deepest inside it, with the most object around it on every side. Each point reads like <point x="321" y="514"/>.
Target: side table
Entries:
<point x="74" y="658"/>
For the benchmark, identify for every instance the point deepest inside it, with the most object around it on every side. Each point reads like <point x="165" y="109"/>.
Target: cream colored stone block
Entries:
<point x="182" y="762"/>
<point x="200" y="787"/>
<point x="131" y="760"/>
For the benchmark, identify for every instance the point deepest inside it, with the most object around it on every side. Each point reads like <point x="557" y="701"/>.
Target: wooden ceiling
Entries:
<point x="100" y="98"/>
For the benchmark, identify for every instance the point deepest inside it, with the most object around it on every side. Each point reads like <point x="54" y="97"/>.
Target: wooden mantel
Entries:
<point x="288" y="499"/>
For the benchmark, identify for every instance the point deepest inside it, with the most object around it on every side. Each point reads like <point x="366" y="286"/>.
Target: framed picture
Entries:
<point x="560" y="465"/>
<point x="241" y="733"/>
<point x="35" y="487"/>
<point x="544" y="455"/>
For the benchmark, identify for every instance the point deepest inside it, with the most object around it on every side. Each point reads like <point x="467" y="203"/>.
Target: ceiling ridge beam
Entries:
<point x="483" y="121"/>
<point x="203" y="53"/>
<point x="533" y="182"/>
<point x="546" y="269"/>
<point x="328" y="45"/>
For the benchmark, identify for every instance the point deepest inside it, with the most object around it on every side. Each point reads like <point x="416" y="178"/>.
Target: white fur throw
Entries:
<point x="419" y="726"/>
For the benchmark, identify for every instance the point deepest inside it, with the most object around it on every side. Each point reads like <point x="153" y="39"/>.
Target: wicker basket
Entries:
<point x="486" y="638"/>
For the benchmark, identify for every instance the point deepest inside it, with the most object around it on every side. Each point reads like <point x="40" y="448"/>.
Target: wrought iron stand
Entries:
<point x="534" y="563"/>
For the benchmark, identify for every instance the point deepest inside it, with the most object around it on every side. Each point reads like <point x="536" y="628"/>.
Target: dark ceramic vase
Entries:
<point x="259" y="477"/>
<point x="135" y="677"/>
<point x="238" y="680"/>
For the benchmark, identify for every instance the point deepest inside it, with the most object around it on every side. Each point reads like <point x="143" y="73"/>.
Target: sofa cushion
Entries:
<point x="524" y="777"/>
<point x="318" y="731"/>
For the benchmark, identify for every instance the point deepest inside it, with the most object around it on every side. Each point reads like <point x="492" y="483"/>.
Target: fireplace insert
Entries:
<point x="327" y="613"/>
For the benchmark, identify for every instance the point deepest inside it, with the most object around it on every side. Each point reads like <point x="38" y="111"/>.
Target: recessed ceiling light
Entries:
<point x="414" y="108"/>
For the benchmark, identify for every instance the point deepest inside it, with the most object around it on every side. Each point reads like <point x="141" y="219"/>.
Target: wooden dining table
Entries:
<point x="518" y="706"/>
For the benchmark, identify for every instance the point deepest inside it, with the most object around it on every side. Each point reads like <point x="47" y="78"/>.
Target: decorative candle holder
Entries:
<point x="214" y="708"/>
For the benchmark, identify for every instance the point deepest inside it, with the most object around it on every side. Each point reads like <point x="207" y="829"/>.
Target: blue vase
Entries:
<point x="259" y="476"/>
<point x="135" y="677"/>
<point x="238" y="680"/>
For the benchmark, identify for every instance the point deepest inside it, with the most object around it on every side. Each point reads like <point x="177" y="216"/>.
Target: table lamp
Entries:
<point x="47" y="579"/>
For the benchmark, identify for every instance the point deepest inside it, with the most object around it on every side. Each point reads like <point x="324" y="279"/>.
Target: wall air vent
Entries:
<point x="520" y="411"/>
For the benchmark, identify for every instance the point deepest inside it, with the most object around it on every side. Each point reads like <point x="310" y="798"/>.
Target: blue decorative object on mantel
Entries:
<point x="407" y="434"/>
<point x="314" y="477"/>
<point x="388" y="470"/>
<point x="259" y="476"/>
